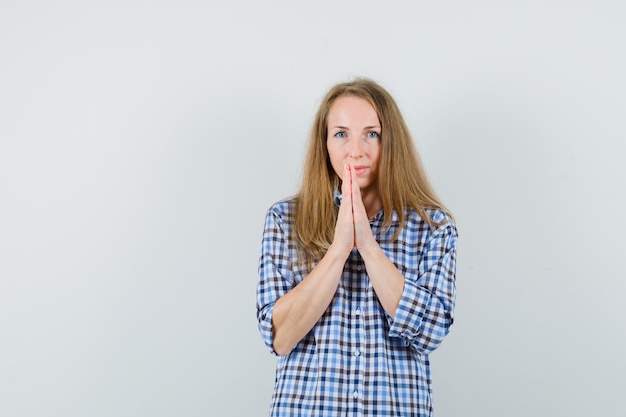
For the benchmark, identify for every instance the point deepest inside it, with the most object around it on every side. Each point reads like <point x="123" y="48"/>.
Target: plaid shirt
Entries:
<point x="357" y="360"/>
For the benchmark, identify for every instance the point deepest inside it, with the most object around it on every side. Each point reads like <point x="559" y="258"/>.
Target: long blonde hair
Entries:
<point x="402" y="179"/>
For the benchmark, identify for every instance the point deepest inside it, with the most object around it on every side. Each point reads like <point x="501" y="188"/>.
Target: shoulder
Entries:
<point x="281" y="211"/>
<point x="445" y="231"/>
<point x="282" y="207"/>
<point x="440" y="216"/>
<point x="438" y="220"/>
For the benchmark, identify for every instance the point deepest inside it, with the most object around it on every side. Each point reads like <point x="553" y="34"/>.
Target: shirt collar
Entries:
<point x="337" y="197"/>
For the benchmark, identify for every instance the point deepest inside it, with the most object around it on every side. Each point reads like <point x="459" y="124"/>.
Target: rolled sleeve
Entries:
<point x="264" y="317"/>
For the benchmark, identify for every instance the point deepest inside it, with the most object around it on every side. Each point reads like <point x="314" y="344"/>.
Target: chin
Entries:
<point x="364" y="184"/>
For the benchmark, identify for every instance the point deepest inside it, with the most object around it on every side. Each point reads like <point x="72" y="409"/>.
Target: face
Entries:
<point x="354" y="137"/>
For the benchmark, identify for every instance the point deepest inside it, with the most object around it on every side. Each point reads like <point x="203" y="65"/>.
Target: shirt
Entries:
<point x="357" y="360"/>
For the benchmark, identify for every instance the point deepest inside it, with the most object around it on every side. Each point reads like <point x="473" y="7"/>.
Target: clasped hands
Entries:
<point x="353" y="227"/>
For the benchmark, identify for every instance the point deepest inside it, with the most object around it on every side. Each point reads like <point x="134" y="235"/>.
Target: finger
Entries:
<point x="356" y="190"/>
<point x="344" y="229"/>
<point x="362" y="229"/>
<point x="347" y="184"/>
<point x="345" y="210"/>
<point x="357" y="202"/>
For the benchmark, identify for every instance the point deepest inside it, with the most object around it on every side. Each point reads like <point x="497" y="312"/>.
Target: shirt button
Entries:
<point x="355" y="395"/>
<point x="405" y="342"/>
<point x="358" y="312"/>
<point x="357" y="353"/>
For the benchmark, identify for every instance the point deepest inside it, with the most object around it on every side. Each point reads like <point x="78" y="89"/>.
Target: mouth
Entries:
<point x="358" y="170"/>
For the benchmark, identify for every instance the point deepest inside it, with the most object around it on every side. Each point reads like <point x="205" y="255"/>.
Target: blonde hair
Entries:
<point x="402" y="179"/>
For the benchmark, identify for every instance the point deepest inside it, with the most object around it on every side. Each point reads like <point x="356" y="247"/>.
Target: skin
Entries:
<point x="354" y="148"/>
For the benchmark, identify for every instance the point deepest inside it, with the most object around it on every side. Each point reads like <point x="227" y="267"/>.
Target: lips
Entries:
<point x="358" y="170"/>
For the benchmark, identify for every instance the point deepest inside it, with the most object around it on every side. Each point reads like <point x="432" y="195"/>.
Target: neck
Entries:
<point x="372" y="203"/>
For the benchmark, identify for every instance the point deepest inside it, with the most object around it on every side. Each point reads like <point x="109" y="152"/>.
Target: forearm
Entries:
<point x="296" y="312"/>
<point x="386" y="279"/>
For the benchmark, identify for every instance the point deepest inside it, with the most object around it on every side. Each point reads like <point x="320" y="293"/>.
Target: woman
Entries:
<point x="357" y="271"/>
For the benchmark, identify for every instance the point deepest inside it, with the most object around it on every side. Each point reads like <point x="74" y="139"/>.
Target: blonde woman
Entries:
<point x="357" y="271"/>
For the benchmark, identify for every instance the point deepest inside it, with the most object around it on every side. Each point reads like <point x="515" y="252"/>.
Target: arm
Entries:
<point x="296" y="312"/>
<point x="419" y="304"/>
<point x="287" y="312"/>
<point x="387" y="280"/>
<point x="275" y="276"/>
<point x="426" y="308"/>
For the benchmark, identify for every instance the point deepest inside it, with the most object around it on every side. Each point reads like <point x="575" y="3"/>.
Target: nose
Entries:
<point x="356" y="147"/>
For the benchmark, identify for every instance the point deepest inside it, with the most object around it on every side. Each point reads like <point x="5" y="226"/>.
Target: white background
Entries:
<point x="141" y="143"/>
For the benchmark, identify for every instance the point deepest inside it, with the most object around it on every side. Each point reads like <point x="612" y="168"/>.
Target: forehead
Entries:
<point x="352" y="109"/>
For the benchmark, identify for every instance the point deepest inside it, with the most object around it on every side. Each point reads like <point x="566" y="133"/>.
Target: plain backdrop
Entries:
<point x="141" y="143"/>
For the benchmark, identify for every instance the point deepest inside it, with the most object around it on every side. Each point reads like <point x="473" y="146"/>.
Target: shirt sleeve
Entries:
<point x="426" y="308"/>
<point x="274" y="275"/>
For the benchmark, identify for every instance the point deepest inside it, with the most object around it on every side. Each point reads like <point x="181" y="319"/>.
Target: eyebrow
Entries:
<point x="365" y="128"/>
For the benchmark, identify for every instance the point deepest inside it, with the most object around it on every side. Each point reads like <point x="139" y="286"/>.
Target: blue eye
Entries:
<point x="341" y="134"/>
<point x="373" y="135"/>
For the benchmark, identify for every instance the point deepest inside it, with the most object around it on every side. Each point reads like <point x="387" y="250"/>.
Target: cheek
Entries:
<point x="338" y="167"/>
<point x="376" y="157"/>
<point x="336" y="160"/>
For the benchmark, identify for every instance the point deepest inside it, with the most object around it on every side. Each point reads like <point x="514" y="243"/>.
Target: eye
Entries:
<point x="341" y="134"/>
<point x="373" y="135"/>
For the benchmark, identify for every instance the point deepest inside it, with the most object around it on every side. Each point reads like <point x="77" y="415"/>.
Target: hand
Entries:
<point x="344" y="229"/>
<point x="362" y="229"/>
<point x="353" y="226"/>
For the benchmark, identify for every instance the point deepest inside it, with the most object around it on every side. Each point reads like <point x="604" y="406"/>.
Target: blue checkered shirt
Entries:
<point x="357" y="360"/>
